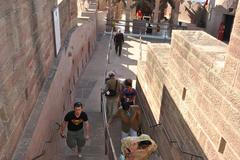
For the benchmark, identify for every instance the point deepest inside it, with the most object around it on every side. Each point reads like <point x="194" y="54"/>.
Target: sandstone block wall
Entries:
<point x="27" y="54"/>
<point x="188" y="87"/>
<point x="102" y="4"/>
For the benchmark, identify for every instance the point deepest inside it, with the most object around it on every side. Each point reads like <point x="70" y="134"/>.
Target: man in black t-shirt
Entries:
<point x="75" y="121"/>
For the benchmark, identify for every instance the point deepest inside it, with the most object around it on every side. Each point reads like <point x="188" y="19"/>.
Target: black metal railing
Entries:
<point x="140" y="46"/>
<point x="155" y="30"/>
<point x="170" y="140"/>
<point x="109" y="147"/>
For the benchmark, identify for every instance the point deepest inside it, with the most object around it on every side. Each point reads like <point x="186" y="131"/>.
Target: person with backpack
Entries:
<point x="112" y="92"/>
<point x="78" y="128"/>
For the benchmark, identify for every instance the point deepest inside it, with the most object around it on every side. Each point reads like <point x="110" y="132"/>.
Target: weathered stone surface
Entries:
<point x="236" y="26"/>
<point x="212" y="94"/>
<point x="3" y="139"/>
<point x="230" y="154"/>
<point x="27" y="53"/>
<point x="211" y="151"/>
<point x="234" y="98"/>
<point x="230" y="70"/>
<point x="67" y="67"/>
<point x="234" y="46"/>
<point x="200" y="64"/>
<point x="231" y="114"/>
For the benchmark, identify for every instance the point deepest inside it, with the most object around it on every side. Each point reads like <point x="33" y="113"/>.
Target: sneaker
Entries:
<point x="79" y="155"/>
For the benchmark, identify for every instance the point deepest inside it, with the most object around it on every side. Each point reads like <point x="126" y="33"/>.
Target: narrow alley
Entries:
<point x="88" y="90"/>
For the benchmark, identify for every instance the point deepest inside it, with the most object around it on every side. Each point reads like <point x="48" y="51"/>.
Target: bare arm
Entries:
<point x="62" y="128"/>
<point x="87" y="129"/>
<point x="134" y="99"/>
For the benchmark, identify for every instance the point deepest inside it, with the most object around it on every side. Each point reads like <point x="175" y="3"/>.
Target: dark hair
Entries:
<point x="77" y="104"/>
<point x="144" y="144"/>
<point x="111" y="75"/>
<point x="128" y="82"/>
<point x="125" y="106"/>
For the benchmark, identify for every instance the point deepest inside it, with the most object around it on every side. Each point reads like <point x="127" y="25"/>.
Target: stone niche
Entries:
<point x="182" y="88"/>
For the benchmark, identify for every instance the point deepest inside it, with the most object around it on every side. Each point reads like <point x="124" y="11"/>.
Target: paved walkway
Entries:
<point x="88" y="91"/>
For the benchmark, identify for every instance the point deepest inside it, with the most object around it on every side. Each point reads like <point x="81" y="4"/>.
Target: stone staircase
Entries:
<point x="93" y="150"/>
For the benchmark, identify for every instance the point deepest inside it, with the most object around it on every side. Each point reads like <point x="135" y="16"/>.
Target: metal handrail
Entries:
<point x="167" y="135"/>
<point x="108" y="58"/>
<point x="176" y="142"/>
<point x="122" y="20"/>
<point x="108" y="138"/>
<point x="140" y="45"/>
<point x="107" y="132"/>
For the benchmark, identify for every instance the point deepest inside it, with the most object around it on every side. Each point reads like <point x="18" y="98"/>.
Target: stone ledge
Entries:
<point x="160" y="53"/>
<point x="204" y="47"/>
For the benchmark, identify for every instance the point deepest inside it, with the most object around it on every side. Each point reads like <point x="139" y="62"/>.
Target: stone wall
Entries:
<point x="102" y="4"/>
<point x="187" y="12"/>
<point x="232" y="64"/>
<point x="191" y="90"/>
<point x="27" y="54"/>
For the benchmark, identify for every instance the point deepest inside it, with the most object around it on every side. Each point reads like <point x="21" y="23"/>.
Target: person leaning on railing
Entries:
<point x="130" y="119"/>
<point x="112" y="92"/>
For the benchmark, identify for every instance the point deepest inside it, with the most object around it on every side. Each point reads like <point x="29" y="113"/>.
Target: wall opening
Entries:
<point x="228" y="20"/>
<point x="222" y="145"/>
<point x="26" y="93"/>
<point x="89" y="50"/>
<point x="184" y="93"/>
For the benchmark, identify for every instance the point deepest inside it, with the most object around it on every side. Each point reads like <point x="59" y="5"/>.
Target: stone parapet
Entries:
<point x="186" y="90"/>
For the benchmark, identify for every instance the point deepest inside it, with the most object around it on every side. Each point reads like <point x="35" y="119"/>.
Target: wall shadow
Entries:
<point x="171" y="132"/>
<point x="181" y="140"/>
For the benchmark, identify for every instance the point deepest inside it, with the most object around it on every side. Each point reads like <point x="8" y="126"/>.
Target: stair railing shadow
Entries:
<point x="170" y="140"/>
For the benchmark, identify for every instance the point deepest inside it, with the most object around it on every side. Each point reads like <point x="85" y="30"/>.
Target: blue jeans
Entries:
<point x="131" y="133"/>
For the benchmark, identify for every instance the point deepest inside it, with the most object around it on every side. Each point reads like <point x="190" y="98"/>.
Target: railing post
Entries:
<point x="105" y="134"/>
<point x="140" y="47"/>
